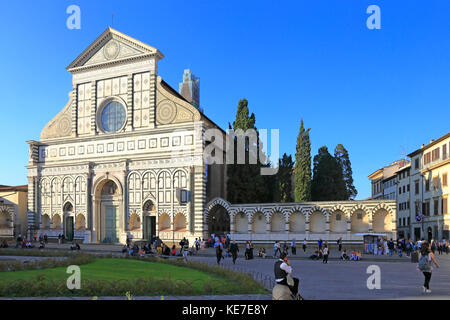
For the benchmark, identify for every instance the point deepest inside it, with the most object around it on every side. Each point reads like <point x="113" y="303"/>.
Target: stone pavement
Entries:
<point x="347" y="280"/>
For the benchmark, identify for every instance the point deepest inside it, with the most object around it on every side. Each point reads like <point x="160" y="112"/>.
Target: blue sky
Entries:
<point x="381" y="93"/>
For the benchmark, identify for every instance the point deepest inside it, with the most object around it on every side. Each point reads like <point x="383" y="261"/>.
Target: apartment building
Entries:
<point x="430" y="167"/>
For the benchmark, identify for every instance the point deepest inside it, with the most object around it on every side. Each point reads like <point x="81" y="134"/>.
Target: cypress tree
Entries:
<point x="302" y="171"/>
<point x="342" y="157"/>
<point x="245" y="183"/>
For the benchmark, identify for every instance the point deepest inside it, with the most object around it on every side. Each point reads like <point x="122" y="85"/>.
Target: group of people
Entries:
<point x="355" y="255"/>
<point x="404" y="247"/>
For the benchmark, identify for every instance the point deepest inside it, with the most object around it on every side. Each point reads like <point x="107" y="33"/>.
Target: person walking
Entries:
<point x="234" y="249"/>
<point x="293" y="248"/>
<point x="325" y="253"/>
<point x="319" y="243"/>
<point x="304" y="245"/>
<point x="185" y="249"/>
<point x="219" y="249"/>
<point x="339" y="242"/>
<point x="426" y="260"/>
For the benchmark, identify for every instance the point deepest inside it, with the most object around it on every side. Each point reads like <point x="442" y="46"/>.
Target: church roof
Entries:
<point x="130" y="48"/>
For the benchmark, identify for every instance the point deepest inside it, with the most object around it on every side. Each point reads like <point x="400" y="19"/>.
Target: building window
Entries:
<point x="435" y="154"/>
<point x="113" y="117"/>
<point x="436" y="183"/>
<point x="444" y="205"/>
<point x="416" y="187"/>
<point x="436" y="207"/>
<point x="400" y="222"/>
<point x="416" y="164"/>
<point x="444" y="180"/>
<point x="400" y="190"/>
<point x="426" y="208"/>
<point x="407" y="187"/>
<point x="427" y="185"/>
<point x="427" y="158"/>
<point x="444" y="152"/>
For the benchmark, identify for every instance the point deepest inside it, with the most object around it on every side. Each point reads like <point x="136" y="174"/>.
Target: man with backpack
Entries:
<point x="426" y="260"/>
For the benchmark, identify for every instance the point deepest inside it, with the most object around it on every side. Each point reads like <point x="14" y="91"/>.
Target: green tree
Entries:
<point x="328" y="182"/>
<point x="284" y="180"/>
<point x="245" y="183"/>
<point x="302" y="171"/>
<point x="342" y="157"/>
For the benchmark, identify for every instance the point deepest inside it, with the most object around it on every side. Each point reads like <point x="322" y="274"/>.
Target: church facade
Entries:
<point x="124" y="158"/>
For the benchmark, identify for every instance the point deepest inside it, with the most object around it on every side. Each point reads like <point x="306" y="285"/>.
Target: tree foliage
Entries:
<point x="328" y="182"/>
<point x="302" y="171"/>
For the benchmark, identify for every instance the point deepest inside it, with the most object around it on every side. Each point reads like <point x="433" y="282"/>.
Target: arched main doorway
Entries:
<point x="149" y="214"/>
<point x="108" y="216"/>
<point x="68" y="221"/>
<point x="218" y="221"/>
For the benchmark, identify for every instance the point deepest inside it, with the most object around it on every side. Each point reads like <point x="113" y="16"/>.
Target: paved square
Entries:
<point x="348" y="279"/>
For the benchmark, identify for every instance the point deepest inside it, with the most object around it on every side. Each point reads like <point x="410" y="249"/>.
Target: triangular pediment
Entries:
<point x="112" y="46"/>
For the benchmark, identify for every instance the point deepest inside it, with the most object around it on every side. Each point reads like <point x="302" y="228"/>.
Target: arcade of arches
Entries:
<point x="349" y="220"/>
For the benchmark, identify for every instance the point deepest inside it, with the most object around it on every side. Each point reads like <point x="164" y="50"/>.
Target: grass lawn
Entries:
<point x="118" y="269"/>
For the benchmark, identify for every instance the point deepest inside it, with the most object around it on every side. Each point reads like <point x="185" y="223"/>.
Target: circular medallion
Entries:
<point x="111" y="50"/>
<point x="166" y="112"/>
<point x="64" y="126"/>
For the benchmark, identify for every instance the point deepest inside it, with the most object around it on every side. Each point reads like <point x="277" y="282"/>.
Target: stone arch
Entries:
<point x="134" y="182"/>
<point x="99" y="183"/>
<point x="45" y="222"/>
<point x="241" y="222"/>
<point x="134" y="222"/>
<point x="67" y="185"/>
<point x="109" y="216"/>
<point x="164" y="222"/>
<point x="277" y="222"/>
<point x="179" y="223"/>
<point x="359" y="221"/>
<point x="297" y="221"/>
<point x="338" y="221"/>
<point x="80" y="222"/>
<point x="259" y="222"/>
<point x="317" y="222"/>
<point x="216" y="201"/>
<point x="149" y="208"/>
<point x="385" y="207"/>
<point x="164" y="184"/>
<point x="218" y="219"/>
<point x="358" y="206"/>
<point x="67" y="207"/>
<point x="56" y="222"/>
<point x="149" y="182"/>
<point x="382" y="221"/>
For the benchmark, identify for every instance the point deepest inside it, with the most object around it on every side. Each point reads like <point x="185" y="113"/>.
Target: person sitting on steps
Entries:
<point x="282" y="270"/>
